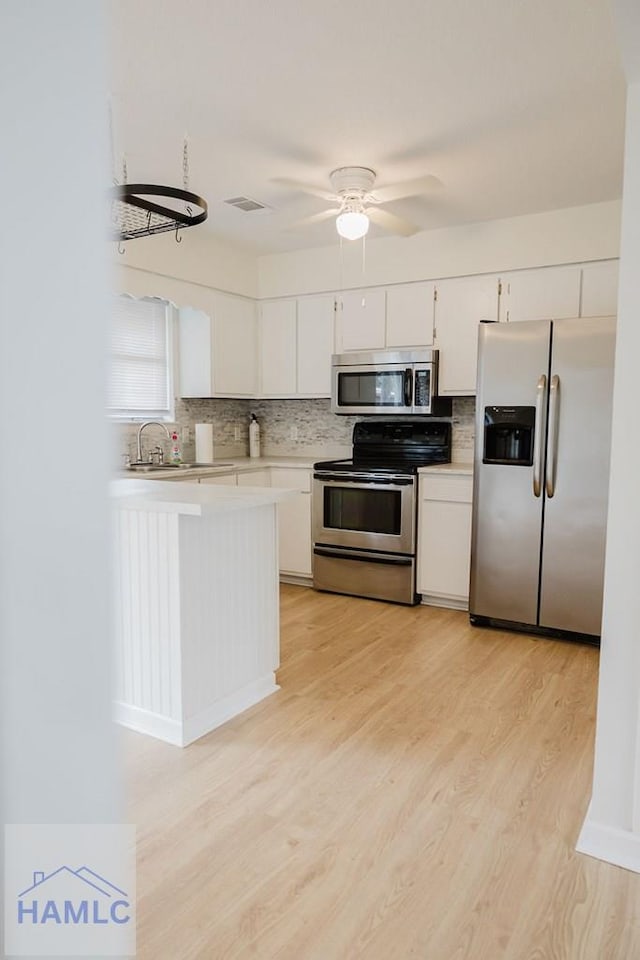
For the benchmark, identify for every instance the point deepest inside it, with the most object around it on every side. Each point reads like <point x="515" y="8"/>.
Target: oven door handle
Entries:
<point x="364" y="558"/>
<point x="364" y="481"/>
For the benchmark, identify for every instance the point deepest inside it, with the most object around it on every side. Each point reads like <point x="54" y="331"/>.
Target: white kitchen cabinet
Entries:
<point x="361" y="320"/>
<point x="296" y="344"/>
<point x="461" y="303"/>
<point x="548" y="293"/>
<point x="235" y="347"/>
<point x="444" y="539"/>
<point x="315" y="330"/>
<point x="255" y="478"/>
<point x="410" y="315"/>
<point x="599" y="289"/>
<point x="294" y="518"/>
<point x="278" y="348"/>
<point x="218" y="353"/>
<point x="227" y="480"/>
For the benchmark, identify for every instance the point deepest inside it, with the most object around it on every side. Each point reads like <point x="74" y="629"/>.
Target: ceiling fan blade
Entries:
<point x="305" y="188"/>
<point x="410" y="188"/>
<point x="391" y="223"/>
<point x="314" y="218"/>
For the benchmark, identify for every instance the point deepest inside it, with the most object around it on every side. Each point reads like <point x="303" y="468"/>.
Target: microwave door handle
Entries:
<point x="408" y="387"/>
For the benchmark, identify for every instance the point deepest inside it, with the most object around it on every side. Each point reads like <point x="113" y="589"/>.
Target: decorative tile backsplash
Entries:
<point x="287" y="428"/>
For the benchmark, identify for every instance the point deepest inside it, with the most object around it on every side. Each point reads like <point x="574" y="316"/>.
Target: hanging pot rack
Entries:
<point x="134" y="215"/>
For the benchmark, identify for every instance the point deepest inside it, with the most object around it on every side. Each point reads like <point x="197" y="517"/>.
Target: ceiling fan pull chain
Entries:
<point x="124" y="168"/>
<point x="364" y="255"/>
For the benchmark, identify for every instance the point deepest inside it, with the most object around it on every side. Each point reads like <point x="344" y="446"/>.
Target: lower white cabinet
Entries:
<point x="228" y="480"/>
<point x="255" y="478"/>
<point x="444" y="539"/>
<point x="294" y="518"/>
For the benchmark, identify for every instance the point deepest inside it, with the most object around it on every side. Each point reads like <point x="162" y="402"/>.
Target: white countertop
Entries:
<point x="229" y="465"/>
<point x="191" y="498"/>
<point x="461" y="468"/>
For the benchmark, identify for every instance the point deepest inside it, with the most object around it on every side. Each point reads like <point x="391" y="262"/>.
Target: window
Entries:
<point x="140" y="381"/>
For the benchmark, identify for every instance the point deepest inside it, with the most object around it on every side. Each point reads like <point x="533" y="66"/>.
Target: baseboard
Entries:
<point x="144" y="721"/>
<point x="296" y="579"/>
<point x="182" y="733"/>
<point x="218" y="713"/>
<point x="449" y="603"/>
<point x="620" y="847"/>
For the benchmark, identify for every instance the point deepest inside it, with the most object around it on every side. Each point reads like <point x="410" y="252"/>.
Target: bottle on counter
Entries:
<point x="176" y="453"/>
<point x="254" y="436"/>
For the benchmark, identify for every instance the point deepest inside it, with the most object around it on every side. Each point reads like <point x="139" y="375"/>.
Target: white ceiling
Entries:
<point x="516" y="106"/>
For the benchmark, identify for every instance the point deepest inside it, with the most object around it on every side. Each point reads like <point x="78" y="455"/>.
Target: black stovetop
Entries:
<point x="398" y="446"/>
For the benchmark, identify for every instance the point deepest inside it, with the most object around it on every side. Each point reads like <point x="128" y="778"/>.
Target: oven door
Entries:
<point x="365" y="512"/>
<point x="383" y="388"/>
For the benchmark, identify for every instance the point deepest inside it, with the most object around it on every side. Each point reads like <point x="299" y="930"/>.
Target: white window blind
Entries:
<point x="140" y="373"/>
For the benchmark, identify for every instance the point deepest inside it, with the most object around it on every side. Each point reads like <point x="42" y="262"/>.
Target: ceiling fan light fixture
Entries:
<point x="352" y="224"/>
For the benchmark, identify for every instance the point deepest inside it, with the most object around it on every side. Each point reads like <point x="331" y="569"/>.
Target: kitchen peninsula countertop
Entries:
<point x="137" y="493"/>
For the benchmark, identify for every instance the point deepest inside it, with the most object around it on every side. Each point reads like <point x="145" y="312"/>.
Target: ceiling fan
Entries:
<point x="356" y="202"/>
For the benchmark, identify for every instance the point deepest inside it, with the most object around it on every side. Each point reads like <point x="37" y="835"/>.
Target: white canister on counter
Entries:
<point x="254" y="436"/>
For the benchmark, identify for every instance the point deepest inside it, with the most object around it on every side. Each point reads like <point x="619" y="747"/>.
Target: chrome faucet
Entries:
<point x="149" y="423"/>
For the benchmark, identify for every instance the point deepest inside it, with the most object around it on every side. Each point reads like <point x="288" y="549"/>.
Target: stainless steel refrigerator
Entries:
<point x="541" y="475"/>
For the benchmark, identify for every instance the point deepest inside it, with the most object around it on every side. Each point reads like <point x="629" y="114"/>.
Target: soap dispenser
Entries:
<point x="254" y="436"/>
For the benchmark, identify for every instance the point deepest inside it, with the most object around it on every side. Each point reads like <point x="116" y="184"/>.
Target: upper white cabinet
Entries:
<point x="410" y="315"/>
<point x="599" y="289"/>
<point x="296" y="343"/>
<point x="549" y="293"/>
<point x="461" y="303"/>
<point x="235" y="347"/>
<point x="361" y="320"/>
<point x="218" y="354"/>
<point x="394" y="317"/>
<point x="315" y="345"/>
<point x="278" y="337"/>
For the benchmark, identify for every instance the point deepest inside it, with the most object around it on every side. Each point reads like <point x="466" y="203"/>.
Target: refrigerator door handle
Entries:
<point x="541" y="396"/>
<point x="552" y="443"/>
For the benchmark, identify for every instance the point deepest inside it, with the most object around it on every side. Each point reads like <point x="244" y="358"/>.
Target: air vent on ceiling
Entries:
<point x="247" y="204"/>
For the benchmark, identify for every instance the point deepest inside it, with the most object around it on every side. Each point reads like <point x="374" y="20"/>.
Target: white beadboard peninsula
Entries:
<point x="196" y="607"/>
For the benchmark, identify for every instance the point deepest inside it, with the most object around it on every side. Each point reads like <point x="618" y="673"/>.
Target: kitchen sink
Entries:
<point x="147" y="467"/>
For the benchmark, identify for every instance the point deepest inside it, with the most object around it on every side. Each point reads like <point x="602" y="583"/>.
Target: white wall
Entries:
<point x="612" y="828"/>
<point x="145" y="283"/>
<point x="199" y="259"/>
<point x="558" y="236"/>
<point x="59" y="761"/>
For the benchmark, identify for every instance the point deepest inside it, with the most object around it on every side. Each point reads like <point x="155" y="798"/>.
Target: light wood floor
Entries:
<point x="415" y="790"/>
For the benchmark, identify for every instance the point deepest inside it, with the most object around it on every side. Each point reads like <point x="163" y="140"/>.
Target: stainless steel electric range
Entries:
<point x="365" y="509"/>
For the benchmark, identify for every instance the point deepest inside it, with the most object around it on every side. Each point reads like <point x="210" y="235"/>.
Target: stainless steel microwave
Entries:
<point x="385" y="382"/>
